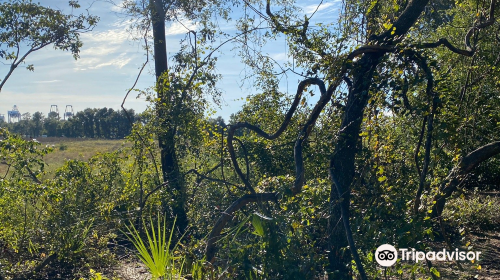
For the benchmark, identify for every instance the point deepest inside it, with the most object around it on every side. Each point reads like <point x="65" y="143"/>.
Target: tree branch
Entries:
<point x="422" y="63"/>
<point x="370" y="49"/>
<point x="152" y="192"/>
<point x="405" y="21"/>
<point x="344" y="210"/>
<point x="232" y="128"/>
<point x="446" y="43"/>
<point x="303" y="135"/>
<point x="470" y="50"/>
<point x="458" y="173"/>
<point x="419" y="144"/>
<point x="205" y="177"/>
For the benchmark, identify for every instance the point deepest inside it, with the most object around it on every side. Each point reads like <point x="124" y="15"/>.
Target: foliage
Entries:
<point x="90" y="123"/>
<point x="159" y="253"/>
<point x="378" y="146"/>
<point x="26" y="27"/>
<point x="476" y="213"/>
<point x="70" y="216"/>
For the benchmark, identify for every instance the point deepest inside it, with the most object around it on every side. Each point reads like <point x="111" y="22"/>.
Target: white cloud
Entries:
<point x="176" y="28"/>
<point x="100" y="50"/>
<point x="112" y="36"/>
<point x="100" y="61"/>
<point x="105" y="48"/>
<point x="309" y="9"/>
<point x="46" y="82"/>
<point x="279" y="56"/>
<point x="122" y="23"/>
<point x="119" y="62"/>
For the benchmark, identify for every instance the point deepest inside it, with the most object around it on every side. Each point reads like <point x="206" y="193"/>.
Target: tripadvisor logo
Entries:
<point x="386" y="255"/>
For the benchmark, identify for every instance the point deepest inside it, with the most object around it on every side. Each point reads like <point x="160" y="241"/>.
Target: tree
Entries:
<point x="37" y="125"/>
<point x="26" y="27"/>
<point x="51" y="126"/>
<point x="181" y="85"/>
<point x="380" y="51"/>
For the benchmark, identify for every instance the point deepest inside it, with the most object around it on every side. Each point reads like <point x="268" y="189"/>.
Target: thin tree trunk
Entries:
<point x="166" y="135"/>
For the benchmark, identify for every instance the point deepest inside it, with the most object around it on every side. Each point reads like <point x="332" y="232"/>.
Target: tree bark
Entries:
<point x="342" y="165"/>
<point x="166" y="135"/>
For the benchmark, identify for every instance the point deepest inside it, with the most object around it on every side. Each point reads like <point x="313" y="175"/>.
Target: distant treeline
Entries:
<point x="90" y="123"/>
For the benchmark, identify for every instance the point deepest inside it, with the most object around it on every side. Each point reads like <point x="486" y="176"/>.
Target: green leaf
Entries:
<point x="435" y="272"/>
<point x="257" y="224"/>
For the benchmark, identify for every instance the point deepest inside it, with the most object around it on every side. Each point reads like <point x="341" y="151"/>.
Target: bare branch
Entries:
<point x="446" y="43"/>
<point x="152" y="192"/>
<point x="370" y="49"/>
<point x="289" y="29"/>
<point x="205" y="177"/>
<point x="422" y="63"/>
<point x="125" y="99"/>
<point x="245" y="153"/>
<point x="344" y="210"/>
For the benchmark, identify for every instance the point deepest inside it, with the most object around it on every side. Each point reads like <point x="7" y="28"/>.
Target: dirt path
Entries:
<point x="131" y="270"/>
<point x="489" y="246"/>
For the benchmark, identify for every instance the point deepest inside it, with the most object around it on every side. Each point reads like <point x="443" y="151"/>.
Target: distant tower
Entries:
<point x="14" y="115"/>
<point x="2" y="117"/>
<point x="68" y="113"/>
<point x="54" y="111"/>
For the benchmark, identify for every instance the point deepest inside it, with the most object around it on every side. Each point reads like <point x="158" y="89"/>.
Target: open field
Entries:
<point x="73" y="148"/>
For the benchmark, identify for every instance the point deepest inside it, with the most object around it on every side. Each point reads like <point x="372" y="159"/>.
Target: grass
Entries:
<point x="73" y="148"/>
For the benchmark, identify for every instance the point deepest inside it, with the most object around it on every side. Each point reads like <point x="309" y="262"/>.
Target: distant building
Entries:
<point x="68" y="112"/>
<point x="14" y="115"/>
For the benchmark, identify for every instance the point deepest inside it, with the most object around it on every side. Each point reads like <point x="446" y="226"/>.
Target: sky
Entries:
<point x="110" y="61"/>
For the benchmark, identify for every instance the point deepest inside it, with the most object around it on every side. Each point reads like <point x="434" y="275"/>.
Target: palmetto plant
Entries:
<point x="156" y="253"/>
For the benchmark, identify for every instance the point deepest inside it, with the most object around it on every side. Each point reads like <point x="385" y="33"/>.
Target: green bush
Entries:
<point x="63" y="147"/>
<point x="473" y="213"/>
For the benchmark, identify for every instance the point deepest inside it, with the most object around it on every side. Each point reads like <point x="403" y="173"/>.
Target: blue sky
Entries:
<point x="110" y="61"/>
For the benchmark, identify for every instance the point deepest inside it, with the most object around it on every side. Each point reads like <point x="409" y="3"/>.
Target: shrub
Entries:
<point x="473" y="212"/>
<point x="63" y="147"/>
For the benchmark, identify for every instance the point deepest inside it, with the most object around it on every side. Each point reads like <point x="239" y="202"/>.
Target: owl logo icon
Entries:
<point x="386" y="255"/>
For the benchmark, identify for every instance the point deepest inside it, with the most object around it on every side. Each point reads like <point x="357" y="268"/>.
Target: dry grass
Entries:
<point x="69" y="148"/>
